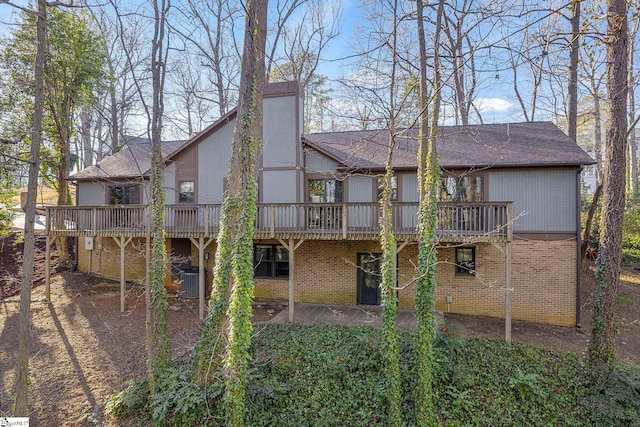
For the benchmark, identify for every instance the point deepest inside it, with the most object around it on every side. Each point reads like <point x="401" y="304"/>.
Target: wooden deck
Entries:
<point x="457" y="222"/>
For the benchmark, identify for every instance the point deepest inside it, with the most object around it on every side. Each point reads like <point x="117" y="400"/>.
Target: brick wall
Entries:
<point x="543" y="276"/>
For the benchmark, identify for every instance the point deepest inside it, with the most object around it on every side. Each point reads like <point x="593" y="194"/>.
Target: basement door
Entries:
<point x="369" y="278"/>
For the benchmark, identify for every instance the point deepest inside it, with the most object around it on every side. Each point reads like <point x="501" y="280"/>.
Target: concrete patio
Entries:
<point x="346" y="315"/>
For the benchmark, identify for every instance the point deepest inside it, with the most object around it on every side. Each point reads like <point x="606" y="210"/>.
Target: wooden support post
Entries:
<point x="122" y="241"/>
<point x="507" y="296"/>
<point x="291" y="248"/>
<point x="122" y="275"/>
<point x="201" y="277"/>
<point x="345" y="221"/>
<point x="47" y="276"/>
<point x="292" y="251"/>
<point x="201" y="245"/>
<point x="272" y="212"/>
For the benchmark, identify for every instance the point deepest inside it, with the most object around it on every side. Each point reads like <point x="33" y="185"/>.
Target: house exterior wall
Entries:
<point x="279" y="186"/>
<point x="543" y="279"/>
<point x="213" y="164"/>
<point x="319" y="163"/>
<point x="281" y="147"/>
<point x="545" y="199"/>
<point x="360" y="188"/>
<point x="90" y="194"/>
<point x="543" y="276"/>
<point x="104" y="259"/>
<point x="170" y="184"/>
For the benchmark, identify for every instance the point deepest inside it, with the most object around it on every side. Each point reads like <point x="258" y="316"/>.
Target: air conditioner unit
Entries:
<point x="189" y="286"/>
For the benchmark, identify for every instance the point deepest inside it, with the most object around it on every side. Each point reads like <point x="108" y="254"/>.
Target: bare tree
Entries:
<point x="22" y="400"/>
<point x="601" y="349"/>
<point x="208" y="27"/>
<point x="233" y="275"/>
<point x="428" y="180"/>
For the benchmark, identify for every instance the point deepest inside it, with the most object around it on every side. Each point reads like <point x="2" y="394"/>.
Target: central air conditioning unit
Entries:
<point x="189" y="287"/>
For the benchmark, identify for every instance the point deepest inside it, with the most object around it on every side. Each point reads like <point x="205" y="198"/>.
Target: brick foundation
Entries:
<point x="543" y="276"/>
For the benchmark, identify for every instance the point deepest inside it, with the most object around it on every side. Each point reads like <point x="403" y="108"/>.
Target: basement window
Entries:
<point x="465" y="261"/>
<point x="270" y="261"/>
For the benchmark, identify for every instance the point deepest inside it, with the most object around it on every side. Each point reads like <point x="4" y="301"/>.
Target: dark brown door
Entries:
<point x="369" y="278"/>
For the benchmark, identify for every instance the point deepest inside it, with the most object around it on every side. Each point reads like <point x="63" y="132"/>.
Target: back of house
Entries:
<point x="508" y="215"/>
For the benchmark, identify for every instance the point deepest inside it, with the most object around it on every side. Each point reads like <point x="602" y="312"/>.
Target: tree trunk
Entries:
<point x="574" y="52"/>
<point x="427" y="223"/>
<point x="234" y="256"/>
<point x="601" y="350"/>
<point x="22" y="402"/>
<point x="388" y="292"/>
<point x="159" y="352"/>
<point x="586" y="235"/>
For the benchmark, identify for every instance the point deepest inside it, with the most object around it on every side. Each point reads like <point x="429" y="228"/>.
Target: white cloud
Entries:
<point x="492" y="104"/>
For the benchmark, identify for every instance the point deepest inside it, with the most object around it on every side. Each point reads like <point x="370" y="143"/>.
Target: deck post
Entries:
<point x="201" y="277"/>
<point x="507" y="296"/>
<point x="47" y="275"/>
<point x="122" y="277"/>
<point x="345" y="221"/>
<point x="272" y="222"/>
<point x="122" y="241"/>
<point x="292" y="251"/>
<point x="291" y="248"/>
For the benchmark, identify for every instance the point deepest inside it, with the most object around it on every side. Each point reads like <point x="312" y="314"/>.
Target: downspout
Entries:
<point x="578" y="246"/>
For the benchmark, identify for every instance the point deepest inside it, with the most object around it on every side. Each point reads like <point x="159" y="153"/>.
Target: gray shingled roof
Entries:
<point x="492" y="145"/>
<point x="133" y="161"/>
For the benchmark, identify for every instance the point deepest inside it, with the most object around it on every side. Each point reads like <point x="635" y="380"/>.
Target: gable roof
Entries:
<point x="459" y="147"/>
<point x="133" y="161"/>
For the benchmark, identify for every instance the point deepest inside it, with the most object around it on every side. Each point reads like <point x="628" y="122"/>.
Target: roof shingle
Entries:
<point x="492" y="145"/>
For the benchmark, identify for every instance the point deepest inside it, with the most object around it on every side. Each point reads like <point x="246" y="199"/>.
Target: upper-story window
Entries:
<point x="128" y="194"/>
<point x="394" y="187"/>
<point x="465" y="188"/>
<point x="186" y="192"/>
<point x="325" y="191"/>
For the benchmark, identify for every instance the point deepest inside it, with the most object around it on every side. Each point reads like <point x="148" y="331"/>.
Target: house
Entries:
<point x="508" y="216"/>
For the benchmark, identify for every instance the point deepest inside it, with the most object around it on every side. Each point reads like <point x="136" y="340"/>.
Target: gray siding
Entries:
<point x="409" y="183"/>
<point x="279" y="186"/>
<point x="280" y="142"/>
<point x="213" y="164"/>
<point x="319" y="163"/>
<point x="169" y="178"/>
<point x="91" y="194"/>
<point x="360" y="189"/>
<point x="546" y="198"/>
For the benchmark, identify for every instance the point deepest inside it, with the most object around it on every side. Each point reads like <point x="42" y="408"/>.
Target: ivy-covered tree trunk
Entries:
<point x="428" y="180"/>
<point x="233" y="280"/>
<point x="601" y="350"/>
<point x="158" y="351"/>
<point x="21" y="408"/>
<point x="388" y="292"/>
<point x="389" y="299"/>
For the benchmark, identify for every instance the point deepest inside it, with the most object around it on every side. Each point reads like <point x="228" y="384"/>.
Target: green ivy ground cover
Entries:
<point x="330" y="375"/>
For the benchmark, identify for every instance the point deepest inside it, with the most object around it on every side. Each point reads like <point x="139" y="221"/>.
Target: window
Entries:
<point x="325" y="191"/>
<point x="270" y="261"/>
<point x="461" y="189"/>
<point x="124" y="194"/>
<point x="394" y="187"/>
<point x="465" y="261"/>
<point x="186" y="192"/>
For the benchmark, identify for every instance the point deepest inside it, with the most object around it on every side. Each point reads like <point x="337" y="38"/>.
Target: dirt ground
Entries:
<point x="83" y="349"/>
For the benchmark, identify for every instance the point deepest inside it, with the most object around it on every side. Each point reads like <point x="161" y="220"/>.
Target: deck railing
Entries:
<point x="456" y="221"/>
